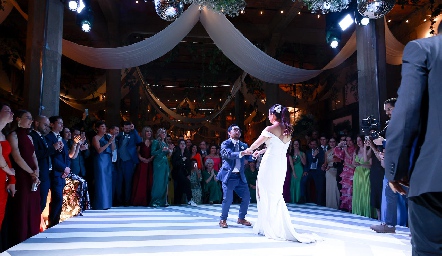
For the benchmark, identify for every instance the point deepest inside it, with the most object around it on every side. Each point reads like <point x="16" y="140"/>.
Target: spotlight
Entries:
<point x="73" y="5"/>
<point x="86" y="26"/>
<point x="361" y="20"/>
<point x="85" y="19"/>
<point x="334" y="43"/>
<point x="333" y="37"/>
<point x="345" y="22"/>
<point x="81" y="6"/>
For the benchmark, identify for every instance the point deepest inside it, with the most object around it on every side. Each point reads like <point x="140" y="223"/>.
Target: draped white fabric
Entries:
<point x="233" y="44"/>
<point x="246" y="55"/>
<point x="394" y="48"/>
<point x="136" y="54"/>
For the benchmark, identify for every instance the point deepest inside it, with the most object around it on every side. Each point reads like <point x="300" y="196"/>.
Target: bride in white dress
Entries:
<point x="273" y="217"/>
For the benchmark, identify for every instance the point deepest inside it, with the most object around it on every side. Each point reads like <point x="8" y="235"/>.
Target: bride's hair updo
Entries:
<point x="282" y="114"/>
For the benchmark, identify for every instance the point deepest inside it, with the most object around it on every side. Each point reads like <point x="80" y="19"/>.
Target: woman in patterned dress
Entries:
<point x="345" y="151"/>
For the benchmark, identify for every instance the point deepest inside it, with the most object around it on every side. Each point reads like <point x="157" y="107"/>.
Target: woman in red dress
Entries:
<point x="195" y="155"/>
<point x="26" y="202"/>
<point x="215" y="157"/>
<point x="143" y="176"/>
<point x="7" y="178"/>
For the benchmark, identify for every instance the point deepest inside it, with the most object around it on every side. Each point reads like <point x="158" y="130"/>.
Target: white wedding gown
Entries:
<point x="273" y="217"/>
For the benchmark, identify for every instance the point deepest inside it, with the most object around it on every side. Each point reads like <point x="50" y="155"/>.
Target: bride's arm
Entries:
<point x="261" y="139"/>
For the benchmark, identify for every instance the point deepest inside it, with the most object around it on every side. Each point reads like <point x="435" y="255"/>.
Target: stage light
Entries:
<point x="365" y="21"/>
<point x="81" y="6"/>
<point x="85" y="19"/>
<point x="333" y="37"/>
<point x="345" y="22"/>
<point x="86" y="26"/>
<point x="334" y="43"/>
<point x="361" y="20"/>
<point x="73" y="4"/>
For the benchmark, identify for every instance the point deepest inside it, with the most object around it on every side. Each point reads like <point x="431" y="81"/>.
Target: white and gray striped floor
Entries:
<point x="186" y="230"/>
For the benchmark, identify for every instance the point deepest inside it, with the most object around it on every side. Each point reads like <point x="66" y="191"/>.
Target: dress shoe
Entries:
<point x="244" y="222"/>
<point x="192" y="203"/>
<point x="223" y="224"/>
<point x="383" y="228"/>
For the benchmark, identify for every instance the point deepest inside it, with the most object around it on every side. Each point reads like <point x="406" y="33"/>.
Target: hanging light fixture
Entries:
<point x="169" y="10"/>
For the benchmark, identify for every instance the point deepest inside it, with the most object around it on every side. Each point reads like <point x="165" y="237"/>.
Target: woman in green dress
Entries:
<point x="160" y="151"/>
<point x="361" y="180"/>
<point x="297" y="162"/>
<point x="212" y="188"/>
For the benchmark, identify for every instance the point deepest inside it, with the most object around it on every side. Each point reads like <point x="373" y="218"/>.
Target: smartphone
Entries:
<point x="367" y="138"/>
<point x="86" y="111"/>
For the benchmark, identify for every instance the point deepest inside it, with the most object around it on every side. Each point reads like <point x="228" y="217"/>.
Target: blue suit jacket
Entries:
<point x="320" y="157"/>
<point x="229" y="159"/>
<point x="60" y="160"/>
<point x="131" y="145"/>
<point x="43" y="154"/>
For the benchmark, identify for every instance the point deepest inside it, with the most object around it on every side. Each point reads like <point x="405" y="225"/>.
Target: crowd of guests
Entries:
<point x="128" y="168"/>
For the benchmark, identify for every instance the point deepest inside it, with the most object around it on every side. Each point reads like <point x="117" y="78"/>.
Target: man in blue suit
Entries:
<point x="127" y="142"/>
<point x="60" y="169"/>
<point x="313" y="171"/>
<point x="232" y="176"/>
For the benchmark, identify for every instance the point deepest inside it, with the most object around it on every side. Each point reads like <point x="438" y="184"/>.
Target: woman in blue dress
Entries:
<point x="103" y="144"/>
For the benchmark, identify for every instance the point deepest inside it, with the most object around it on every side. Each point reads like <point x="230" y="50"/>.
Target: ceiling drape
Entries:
<point x="233" y="44"/>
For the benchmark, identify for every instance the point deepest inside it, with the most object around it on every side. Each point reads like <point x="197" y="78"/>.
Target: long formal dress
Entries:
<point x="347" y="176"/>
<point x="212" y="189"/>
<point x="160" y="174"/>
<point x="103" y="168"/>
<point x="361" y="190"/>
<point x="25" y="203"/>
<point x="195" y="186"/>
<point x="143" y="178"/>
<point x="273" y="216"/>
<point x="5" y="179"/>
<point x="331" y="187"/>
<point x="295" y="186"/>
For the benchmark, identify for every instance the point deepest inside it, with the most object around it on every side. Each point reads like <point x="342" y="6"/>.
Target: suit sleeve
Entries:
<point x="227" y="151"/>
<point x="137" y="137"/>
<point x="404" y="124"/>
<point x="41" y="151"/>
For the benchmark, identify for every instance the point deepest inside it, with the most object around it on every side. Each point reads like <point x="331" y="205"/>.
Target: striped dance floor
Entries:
<point x="186" y="230"/>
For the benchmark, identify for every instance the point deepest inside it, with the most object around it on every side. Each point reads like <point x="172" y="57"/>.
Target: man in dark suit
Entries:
<point x="232" y="176"/>
<point x="203" y="149"/>
<point x="43" y="151"/>
<point x="417" y="114"/>
<point x="60" y="169"/>
<point x="127" y="142"/>
<point x="313" y="171"/>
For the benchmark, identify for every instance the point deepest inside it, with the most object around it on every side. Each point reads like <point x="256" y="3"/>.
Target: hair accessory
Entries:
<point x="278" y="109"/>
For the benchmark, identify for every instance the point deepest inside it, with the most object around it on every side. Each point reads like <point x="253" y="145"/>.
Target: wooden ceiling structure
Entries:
<point x="195" y="68"/>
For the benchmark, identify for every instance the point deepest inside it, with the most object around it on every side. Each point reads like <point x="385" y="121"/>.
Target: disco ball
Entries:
<point x="375" y="9"/>
<point x="169" y="9"/>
